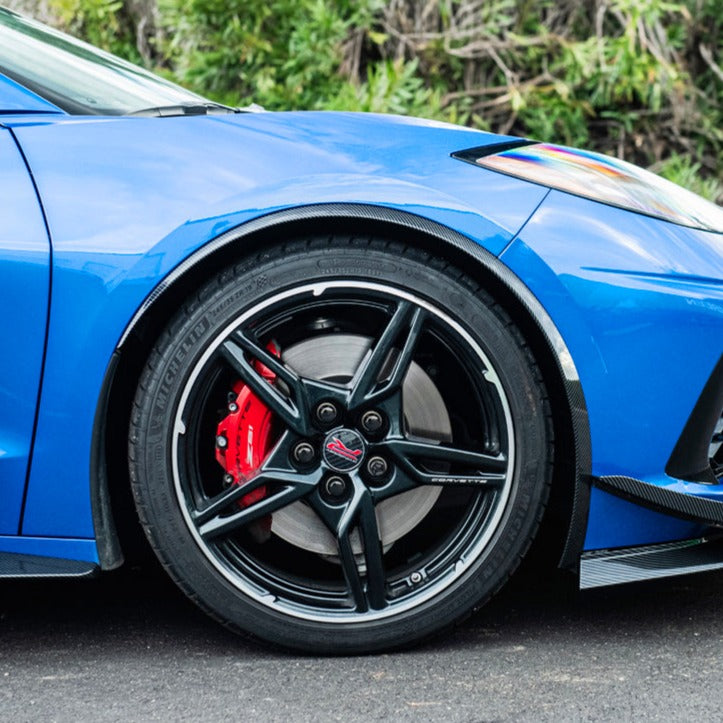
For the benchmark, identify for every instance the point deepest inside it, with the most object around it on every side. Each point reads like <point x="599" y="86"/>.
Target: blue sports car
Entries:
<point x="345" y="366"/>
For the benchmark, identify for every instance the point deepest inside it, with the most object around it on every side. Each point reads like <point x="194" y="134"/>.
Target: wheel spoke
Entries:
<point x="351" y="573"/>
<point x="297" y="486"/>
<point x="485" y="470"/>
<point x="216" y="505"/>
<point x="257" y="351"/>
<point x="401" y="334"/>
<point x="369" y="531"/>
<point x="401" y="481"/>
<point x="292" y="413"/>
<point x="358" y="513"/>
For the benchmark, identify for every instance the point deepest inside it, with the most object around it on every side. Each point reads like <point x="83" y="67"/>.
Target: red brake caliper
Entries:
<point x="247" y="430"/>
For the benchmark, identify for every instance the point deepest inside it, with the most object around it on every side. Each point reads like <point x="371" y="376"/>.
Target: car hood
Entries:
<point x="131" y="181"/>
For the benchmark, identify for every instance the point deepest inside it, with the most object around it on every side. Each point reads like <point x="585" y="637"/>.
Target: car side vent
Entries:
<point x="698" y="454"/>
<point x="716" y="451"/>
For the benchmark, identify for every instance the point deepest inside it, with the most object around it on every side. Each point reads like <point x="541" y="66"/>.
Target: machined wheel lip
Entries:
<point x="455" y="571"/>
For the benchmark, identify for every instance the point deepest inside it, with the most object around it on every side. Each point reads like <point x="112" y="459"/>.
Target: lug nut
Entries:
<point x="377" y="467"/>
<point x="372" y="421"/>
<point x="335" y="487"/>
<point x="221" y="442"/>
<point x="326" y="412"/>
<point x="303" y="453"/>
<point x="415" y="578"/>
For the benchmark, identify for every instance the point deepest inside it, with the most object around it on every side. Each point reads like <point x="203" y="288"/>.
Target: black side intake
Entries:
<point x="691" y="458"/>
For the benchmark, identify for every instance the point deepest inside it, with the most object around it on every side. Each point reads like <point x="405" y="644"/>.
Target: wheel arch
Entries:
<point x="566" y="521"/>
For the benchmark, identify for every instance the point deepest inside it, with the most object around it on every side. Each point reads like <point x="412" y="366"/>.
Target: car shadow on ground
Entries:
<point x="143" y="600"/>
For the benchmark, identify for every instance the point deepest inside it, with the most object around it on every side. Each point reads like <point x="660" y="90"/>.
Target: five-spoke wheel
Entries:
<point x="340" y="459"/>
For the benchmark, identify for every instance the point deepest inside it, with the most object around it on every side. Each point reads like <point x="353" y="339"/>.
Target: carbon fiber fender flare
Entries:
<point x="401" y="220"/>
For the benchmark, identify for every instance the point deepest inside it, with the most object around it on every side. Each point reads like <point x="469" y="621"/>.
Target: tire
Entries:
<point x="397" y="466"/>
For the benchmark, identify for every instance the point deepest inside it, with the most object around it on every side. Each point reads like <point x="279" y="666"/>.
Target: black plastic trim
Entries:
<point x="687" y="506"/>
<point x="689" y="460"/>
<point x="471" y="155"/>
<point x="15" y="565"/>
<point x="613" y="567"/>
<point x="577" y="529"/>
<point x="106" y="535"/>
<point x="380" y="214"/>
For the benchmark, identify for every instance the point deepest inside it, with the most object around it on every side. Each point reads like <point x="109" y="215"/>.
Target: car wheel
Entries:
<point x="340" y="446"/>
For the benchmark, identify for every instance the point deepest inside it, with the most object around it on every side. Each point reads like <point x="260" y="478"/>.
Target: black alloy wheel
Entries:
<point x="340" y="447"/>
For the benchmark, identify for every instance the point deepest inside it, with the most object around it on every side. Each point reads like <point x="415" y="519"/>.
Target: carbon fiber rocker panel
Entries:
<point x="14" y="565"/>
<point x="613" y="567"/>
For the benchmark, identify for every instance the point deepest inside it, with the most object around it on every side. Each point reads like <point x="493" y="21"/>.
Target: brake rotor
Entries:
<point x="335" y="357"/>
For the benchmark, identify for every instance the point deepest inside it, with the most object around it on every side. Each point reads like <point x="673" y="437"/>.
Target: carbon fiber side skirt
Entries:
<point x="613" y="567"/>
<point x="15" y="565"/>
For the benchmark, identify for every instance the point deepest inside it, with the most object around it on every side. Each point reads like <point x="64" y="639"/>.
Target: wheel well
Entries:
<point x="112" y="488"/>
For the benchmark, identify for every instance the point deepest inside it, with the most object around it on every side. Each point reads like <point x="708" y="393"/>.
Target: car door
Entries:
<point x="24" y="293"/>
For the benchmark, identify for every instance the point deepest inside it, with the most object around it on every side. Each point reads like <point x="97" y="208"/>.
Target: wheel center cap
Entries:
<point x="343" y="450"/>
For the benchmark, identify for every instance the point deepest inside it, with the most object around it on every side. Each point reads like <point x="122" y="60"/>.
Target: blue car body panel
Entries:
<point x="614" y="523"/>
<point x="637" y="301"/>
<point x="15" y="98"/>
<point x="64" y="548"/>
<point x="24" y="282"/>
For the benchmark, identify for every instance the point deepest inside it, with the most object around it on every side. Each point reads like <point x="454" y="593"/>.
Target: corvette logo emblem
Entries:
<point x="343" y="450"/>
<point x="338" y="447"/>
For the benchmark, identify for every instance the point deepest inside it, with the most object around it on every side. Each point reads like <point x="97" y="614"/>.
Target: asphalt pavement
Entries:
<point x="129" y="646"/>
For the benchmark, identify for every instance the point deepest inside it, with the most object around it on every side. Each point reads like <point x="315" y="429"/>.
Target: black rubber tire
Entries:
<point x="238" y="288"/>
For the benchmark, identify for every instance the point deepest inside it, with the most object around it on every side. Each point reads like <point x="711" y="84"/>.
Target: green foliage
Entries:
<point x="100" y="22"/>
<point x="685" y="172"/>
<point x="640" y="79"/>
<point x="284" y="54"/>
<point x="390" y="87"/>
